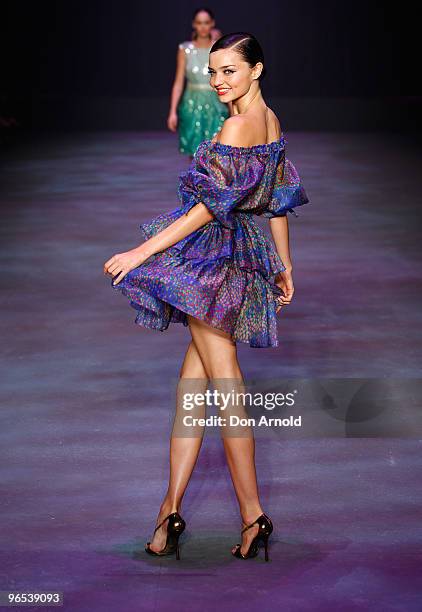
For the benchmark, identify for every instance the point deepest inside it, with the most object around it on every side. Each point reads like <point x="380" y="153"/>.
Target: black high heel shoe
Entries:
<point x="265" y="529"/>
<point x="175" y="528"/>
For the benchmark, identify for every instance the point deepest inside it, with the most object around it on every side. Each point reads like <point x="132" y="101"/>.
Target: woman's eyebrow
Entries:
<point x="221" y="67"/>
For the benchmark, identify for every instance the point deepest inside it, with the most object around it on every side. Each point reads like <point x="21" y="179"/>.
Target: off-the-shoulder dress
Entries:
<point x="223" y="273"/>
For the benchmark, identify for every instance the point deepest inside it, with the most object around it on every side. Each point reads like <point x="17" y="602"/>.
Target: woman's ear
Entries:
<point x="257" y="70"/>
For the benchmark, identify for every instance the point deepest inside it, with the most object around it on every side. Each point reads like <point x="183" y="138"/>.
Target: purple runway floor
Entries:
<point x="87" y="400"/>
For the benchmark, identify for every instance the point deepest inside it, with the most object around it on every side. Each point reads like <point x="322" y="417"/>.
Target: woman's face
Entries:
<point x="203" y="24"/>
<point x="230" y="75"/>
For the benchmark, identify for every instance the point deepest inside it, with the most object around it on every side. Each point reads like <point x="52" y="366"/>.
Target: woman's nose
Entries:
<point x="218" y="81"/>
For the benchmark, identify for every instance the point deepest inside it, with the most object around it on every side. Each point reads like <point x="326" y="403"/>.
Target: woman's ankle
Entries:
<point x="168" y="507"/>
<point x="250" y="514"/>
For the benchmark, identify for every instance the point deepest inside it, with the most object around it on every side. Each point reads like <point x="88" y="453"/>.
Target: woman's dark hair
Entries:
<point x="199" y="10"/>
<point x="246" y="45"/>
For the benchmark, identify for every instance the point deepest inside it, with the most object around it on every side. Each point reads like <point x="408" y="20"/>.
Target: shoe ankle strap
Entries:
<point x="163" y="521"/>
<point x="252" y="524"/>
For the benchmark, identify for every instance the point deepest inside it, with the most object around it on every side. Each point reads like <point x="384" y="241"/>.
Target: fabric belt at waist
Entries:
<point x="198" y="86"/>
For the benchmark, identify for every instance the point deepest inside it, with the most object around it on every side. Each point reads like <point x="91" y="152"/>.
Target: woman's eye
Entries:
<point x="227" y="70"/>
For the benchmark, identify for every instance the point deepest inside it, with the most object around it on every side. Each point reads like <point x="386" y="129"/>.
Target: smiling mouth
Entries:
<point x="222" y="91"/>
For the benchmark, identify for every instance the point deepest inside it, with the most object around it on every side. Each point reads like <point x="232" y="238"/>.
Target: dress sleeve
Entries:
<point x="221" y="179"/>
<point x="288" y="191"/>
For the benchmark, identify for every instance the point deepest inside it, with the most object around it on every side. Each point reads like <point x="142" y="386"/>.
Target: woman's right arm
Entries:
<point x="121" y="263"/>
<point x="177" y="89"/>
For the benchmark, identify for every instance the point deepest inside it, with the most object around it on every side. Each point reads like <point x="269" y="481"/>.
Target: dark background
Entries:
<point x="108" y="64"/>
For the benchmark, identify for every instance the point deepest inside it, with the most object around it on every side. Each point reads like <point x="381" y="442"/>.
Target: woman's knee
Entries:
<point x="192" y="366"/>
<point x="216" y="349"/>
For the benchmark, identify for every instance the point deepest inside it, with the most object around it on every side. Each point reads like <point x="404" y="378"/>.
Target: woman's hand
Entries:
<point x="284" y="280"/>
<point x="172" y="121"/>
<point x="122" y="263"/>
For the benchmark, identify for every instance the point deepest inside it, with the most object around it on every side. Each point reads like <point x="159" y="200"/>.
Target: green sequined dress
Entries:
<point x="200" y="112"/>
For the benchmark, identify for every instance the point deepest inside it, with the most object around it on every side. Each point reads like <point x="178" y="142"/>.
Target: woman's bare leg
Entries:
<point x="184" y="451"/>
<point x="219" y="357"/>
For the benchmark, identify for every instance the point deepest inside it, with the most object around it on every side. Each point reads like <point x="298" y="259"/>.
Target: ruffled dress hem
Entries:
<point x="162" y="306"/>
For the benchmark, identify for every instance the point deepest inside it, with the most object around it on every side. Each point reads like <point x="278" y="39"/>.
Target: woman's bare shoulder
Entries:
<point x="235" y="131"/>
<point x="186" y="44"/>
<point x="240" y="130"/>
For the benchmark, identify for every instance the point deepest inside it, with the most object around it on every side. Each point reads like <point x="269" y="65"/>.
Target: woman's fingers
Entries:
<point x="288" y="293"/>
<point x="285" y="299"/>
<point x="115" y="267"/>
<point x="109" y="264"/>
<point x="112" y="266"/>
<point x="118" y="271"/>
<point x="120" y="277"/>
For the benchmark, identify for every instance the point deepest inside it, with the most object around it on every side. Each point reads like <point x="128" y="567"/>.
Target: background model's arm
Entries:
<point x="280" y="232"/>
<point x="177" y="89"/>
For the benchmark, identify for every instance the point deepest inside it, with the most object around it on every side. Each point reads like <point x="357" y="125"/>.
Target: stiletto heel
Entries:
<point x="266" y="547"/>
<point x="176" y="526"/>
<point x="265" y="528"/>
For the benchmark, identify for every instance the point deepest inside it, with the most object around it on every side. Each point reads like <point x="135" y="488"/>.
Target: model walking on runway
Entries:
<point x="197" y="112"/>
<point x="208" y="265"/>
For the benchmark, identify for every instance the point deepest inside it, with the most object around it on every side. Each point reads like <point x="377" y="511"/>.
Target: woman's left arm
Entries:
<point x="122" y="263"/>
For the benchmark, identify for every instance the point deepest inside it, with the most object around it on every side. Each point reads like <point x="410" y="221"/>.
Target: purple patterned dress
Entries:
<point x="223" y="272"/>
